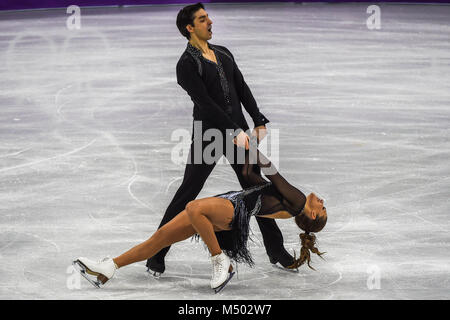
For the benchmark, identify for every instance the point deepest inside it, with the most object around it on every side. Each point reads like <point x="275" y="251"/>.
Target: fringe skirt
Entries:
<point x="247" y="203"/>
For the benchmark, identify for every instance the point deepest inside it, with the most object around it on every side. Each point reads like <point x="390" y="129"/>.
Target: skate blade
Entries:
<point x="154" y="274"/>
<point x="279" y="266"/>
<point x="85" y="272"/>
<point x="219" y="288"/>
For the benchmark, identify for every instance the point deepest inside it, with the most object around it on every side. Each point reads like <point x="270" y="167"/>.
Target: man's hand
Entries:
<point x="259" y="132"/>
<point x="242" y="140"/>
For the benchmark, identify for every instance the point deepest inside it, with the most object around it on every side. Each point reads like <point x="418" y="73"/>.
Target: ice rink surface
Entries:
<point x="86" y="164"/>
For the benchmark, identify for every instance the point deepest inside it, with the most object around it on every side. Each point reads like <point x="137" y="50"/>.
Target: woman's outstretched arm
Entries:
<point x="252" y="178"/>
<point x="295" y="197"/>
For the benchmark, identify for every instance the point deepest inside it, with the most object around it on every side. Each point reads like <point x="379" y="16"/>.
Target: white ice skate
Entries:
<point x="222" y="271"/>
<point x="103" y="269"/>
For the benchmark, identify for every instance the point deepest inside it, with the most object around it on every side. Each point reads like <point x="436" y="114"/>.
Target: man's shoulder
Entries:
<point x="220" y="47"/>
<point x="184" y="58"/>
<point x="224" y="50"/>
<point x="187" y="64"/>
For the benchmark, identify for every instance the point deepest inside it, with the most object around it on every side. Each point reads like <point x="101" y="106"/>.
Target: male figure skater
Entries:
<point x="210" y="76"/>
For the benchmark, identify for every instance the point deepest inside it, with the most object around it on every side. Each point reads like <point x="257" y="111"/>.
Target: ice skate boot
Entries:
<point x="103" y="270"/>
<point x="155" y="268"/>
<point x="277" y="264"/>
<point x="222" y="272"/>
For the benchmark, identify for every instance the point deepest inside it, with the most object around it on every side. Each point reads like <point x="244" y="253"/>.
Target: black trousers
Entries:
<point x="195" y="176"/>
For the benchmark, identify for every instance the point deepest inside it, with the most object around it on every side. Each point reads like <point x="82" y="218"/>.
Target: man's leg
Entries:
<point x="194" y="178"/>
<point x="273" y="241"/>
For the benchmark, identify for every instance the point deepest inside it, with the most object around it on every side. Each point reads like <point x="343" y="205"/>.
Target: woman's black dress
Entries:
<point x="264" y="197"/>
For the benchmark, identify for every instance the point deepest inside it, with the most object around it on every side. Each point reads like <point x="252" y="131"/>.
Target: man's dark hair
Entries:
<point x="186" y="16"/>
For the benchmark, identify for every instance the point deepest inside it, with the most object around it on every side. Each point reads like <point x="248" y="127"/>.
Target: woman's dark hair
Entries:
<point x="308" y="240"/>
<point x="186" y="16"/>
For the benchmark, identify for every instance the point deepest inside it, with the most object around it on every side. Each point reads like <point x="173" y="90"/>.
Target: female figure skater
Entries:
<point x="275" y="199"/>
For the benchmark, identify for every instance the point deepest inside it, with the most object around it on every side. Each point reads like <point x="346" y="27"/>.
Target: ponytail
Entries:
<point x="308" y="244"/>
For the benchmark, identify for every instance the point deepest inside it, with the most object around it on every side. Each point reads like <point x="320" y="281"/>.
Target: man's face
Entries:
<point x="202" y="25"/>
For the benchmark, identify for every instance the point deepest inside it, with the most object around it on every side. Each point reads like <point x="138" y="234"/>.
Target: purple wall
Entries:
<point x="35" y="4"/>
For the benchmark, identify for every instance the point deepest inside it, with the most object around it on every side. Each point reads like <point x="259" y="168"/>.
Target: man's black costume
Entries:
<point x="217" y="91"/>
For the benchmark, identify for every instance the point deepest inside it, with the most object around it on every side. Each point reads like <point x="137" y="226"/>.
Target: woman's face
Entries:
<point x="315" y="206"/>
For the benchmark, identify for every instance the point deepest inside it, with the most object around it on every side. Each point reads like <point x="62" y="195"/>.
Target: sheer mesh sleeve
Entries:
<point x="291" y="194"/>
<point x="248" y="170"/>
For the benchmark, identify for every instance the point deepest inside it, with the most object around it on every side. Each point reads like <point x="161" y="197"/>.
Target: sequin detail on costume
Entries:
<point x="197" y="55"/>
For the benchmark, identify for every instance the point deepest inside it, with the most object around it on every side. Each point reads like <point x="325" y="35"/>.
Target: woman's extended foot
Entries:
<point x="222" y="271"/>
<point x="103" y="269"/>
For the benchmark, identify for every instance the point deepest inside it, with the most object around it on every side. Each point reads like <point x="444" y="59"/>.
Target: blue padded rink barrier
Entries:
<point x="363" y="116"/>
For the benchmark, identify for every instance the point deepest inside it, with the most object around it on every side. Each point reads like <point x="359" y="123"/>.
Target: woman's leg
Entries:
<point x="208" y="215"/>
<point x="177" y="229"/>
<point x="203" y="216"/>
